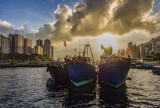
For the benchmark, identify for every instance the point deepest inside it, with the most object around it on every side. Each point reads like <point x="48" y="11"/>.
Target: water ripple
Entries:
<point x="26" y="87"/>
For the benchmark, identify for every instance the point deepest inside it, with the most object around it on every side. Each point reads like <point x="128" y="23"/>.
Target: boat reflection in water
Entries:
<point x="110" y="97"/>
<point x="56" y="86"/>
<point x="81" y="97"/>
<point x="91" y="95"/>
<point x="71" y="96"/>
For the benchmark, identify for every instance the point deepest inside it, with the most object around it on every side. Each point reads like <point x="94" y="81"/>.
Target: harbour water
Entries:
<point x="26" y="87"/>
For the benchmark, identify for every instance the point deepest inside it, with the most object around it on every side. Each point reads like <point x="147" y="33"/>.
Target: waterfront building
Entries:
<point x="142" y="50"/>
<point x="130" y="48"/>
<point x="38" y="50"/>
<point x="134" y="51"/>
<point x="27" y="46"/>
<point x="157" y="48"/>
<point x="1" y="36"/>
<point x="146" y="50"/>
<point x="4" y="44"/>
<point x="47" y="47"/>
<point x="52" y="52"/>
<point x="32" y="50"/>
<point x="138" y="51"/>
<point x="39" y="42"/>
<point x="153" y="44"/>
<point x="16" y="43"/>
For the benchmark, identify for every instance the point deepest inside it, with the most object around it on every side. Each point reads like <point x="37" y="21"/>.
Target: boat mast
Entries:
<point x="91" y="53"/>
<point x="88" y="46"/>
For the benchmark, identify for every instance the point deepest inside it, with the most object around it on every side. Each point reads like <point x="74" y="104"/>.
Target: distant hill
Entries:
<point x="149" y="43"/>
<point x="157" y="38"/>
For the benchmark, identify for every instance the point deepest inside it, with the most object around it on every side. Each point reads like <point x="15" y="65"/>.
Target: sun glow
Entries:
<point x="107" y="40"/>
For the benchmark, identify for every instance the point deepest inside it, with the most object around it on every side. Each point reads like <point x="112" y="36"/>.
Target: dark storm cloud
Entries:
<point x="96" y="17"/>
<point x="129" y="16"/>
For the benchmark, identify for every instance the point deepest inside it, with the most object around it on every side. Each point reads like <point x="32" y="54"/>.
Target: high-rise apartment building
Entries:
<point x="38" y="50"/>
<point x="39" y="42"/>
<point x="52" y="52"/>
<point x="27" y="46"/>
<point x="153" y="44"/>
<point x="157" y="48"/>
<point x="133" y="51"/>
<point x="142" y="50"/>
<point x="4" y="44"/>
<point x="138" y="51"/>
<point x="32" y="50"/>
<point x="47" y="47"/>
<point x="17" y="43"/>
<point x="130" y="48"/>
<point x="1" y="37"/>
<point x="146" y="51"/>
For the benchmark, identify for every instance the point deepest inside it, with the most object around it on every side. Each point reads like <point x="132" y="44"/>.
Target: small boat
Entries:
<point x="113" y="70"/>
<point x="139" y="66"/>
<point x="148" y="65"/>
<point x="81" y="69"/>
<point x="156" y="69"/>
<point x="58" y="72"/>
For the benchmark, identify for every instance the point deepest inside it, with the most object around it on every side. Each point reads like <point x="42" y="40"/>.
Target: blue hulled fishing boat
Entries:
<point x="80" y="69"/>
<point x="113" y="70"/>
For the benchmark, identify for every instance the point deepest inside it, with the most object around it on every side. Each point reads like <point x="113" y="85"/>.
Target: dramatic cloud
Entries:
<point x="96" y="17"/>
<point x="46" y="31"/>
<point x="156" y="20"/>
<point x="128" y="16"/>
<point x="59" y="29"/>
<point x="5" y="27"/>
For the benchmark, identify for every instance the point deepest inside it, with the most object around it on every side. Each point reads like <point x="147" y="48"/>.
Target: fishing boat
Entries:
<point x="156" y="69"/>
<point x="58" y="72"/>
<point x="113" y="69"/>
<point x="81" y="69"/>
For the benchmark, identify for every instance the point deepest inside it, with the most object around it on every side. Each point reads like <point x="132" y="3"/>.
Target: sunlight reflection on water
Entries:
<point x="26" y="87"/>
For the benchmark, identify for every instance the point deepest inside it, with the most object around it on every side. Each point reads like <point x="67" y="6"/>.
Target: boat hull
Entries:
<point x="156" y="70"/>
<point x="80" y="73"/>
<point x="113" y="74"/>
<point x="58" y="74"/>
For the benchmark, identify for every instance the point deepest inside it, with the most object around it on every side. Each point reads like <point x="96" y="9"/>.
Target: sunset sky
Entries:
<point x="107" y="22"/>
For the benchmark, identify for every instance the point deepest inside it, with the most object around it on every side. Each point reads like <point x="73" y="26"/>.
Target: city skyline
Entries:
<point x="8" y="45"/>
<point x="16" y="43"/>
<point x="118" y="22"/>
